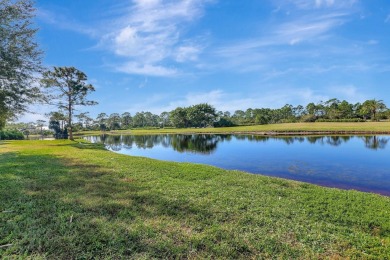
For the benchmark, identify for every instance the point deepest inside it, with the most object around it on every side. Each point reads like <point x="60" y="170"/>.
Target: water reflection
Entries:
<point x="375" y="142"/>
<point x="204" y="144"/>
<point x="207" y="143"/>
<point x="349" y="162"/>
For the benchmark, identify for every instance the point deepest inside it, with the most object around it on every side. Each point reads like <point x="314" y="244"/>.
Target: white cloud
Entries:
<point x="348" y="92"/>
<point x="147" y="69"/>
<point x="36" y="112"/>
<point x="187" y="53"/>
<point x="151" y="32"/>
<point x="314" y="4"/>
<point x="61" y="21"/>
<point x="29" y="117"/>
<point x="272" y="98"/>
<point x="307" y="28"/>
<point x="267" y="97"/>
<point x="320" y="3"/>
<point x="291" y="41"/>
<point x="319" y="69"/>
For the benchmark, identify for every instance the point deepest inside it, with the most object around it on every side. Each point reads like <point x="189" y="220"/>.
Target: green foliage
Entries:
<point x="69" y="88"/>
<point x="223" y="122"/>
<point x="201" y="115"/>
<point x="372" y="107"/>
<point x="114" y="121"/>
<point x="145" y="119"/>
<point x="20" y="58"/>
<point x="59" y="132"/>
<point x="57" y="124"/>
<point x="204" y="115"/>
<point x="11" y="135"/>
<point x="341" y="120"/>
<point x="67" y="200"/>
<point x="126" y="120"/>
<point x="84" y="120"/>
<point x="179" y="117"/>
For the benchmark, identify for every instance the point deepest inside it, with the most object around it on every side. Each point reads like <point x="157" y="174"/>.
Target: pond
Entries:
<point x="347" y="162"/>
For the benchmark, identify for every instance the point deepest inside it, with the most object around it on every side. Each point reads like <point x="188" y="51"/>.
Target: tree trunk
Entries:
<point x="70" y="130"/>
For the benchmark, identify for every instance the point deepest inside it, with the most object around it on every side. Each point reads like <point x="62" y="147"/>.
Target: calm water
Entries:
<point x="348" y="162"/>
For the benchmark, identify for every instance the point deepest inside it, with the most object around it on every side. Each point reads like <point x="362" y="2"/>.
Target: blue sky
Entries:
<point x="156" y="55"/>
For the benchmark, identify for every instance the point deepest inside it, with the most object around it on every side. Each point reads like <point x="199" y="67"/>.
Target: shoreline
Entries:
<point x="366" y="128"/>
<point x="263" y="133"/>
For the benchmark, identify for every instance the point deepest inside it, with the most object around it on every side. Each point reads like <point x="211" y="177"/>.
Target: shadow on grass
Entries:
<point x="81" y="144"/>
<point x="52" y="207"/>
<point x="85" y="145"/>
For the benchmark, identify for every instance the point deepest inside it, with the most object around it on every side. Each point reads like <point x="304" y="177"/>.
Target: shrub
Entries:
<point x="223" y="122"/>
<point x="350" y="120"/>
<point x="308" y="118"/>
<point x="11" y="135"/>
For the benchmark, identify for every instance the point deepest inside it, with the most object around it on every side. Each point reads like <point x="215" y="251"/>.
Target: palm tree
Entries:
<point x="372" y="107"/>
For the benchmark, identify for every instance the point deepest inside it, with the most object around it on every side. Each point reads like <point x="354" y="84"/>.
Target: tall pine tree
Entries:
<point x="20" y="58"/>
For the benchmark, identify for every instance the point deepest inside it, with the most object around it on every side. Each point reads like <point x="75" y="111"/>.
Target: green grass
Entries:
<point x="291" y="128"/>
<point x="62" y="199"/>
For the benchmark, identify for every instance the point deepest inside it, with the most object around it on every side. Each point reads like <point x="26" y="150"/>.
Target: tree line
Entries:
<point x="205" y="115"/>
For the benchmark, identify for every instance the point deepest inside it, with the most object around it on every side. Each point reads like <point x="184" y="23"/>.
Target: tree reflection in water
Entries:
<point x="197" y="143"/>
<point x="375" y="142"/>
<point x="207" y="143"/>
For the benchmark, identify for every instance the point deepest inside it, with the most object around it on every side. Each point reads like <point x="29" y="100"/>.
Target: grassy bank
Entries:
<point x="291" y="128"/>
<point x="62" y="199"/>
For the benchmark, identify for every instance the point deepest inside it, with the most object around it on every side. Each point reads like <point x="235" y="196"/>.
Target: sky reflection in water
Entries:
<point x="348" y="162"/>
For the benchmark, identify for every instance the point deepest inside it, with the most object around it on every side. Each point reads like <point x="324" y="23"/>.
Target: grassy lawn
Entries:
<point x="369" y="127"/>
<point x="63" y="199"/>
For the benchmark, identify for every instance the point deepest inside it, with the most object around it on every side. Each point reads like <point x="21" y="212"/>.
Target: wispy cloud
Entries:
<point x="349" y="92"/>
<point x="273" y="98"/>
<point x="148" y="69"/>
<point x="187" y="53"/>
<point x="144" y="35"/>
<point x="319" y="69"/>
<point x="300" y="36"/>
<point x="151" y="33"/>
<point x="308" y="28"/>
<point x="64" y="22"/>
<point x="293" y="40"/>
<point x="314" y="4"/>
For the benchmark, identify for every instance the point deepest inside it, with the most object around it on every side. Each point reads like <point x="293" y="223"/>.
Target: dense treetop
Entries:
<point x="205" y="115"/>
<point x="20" y="58"/>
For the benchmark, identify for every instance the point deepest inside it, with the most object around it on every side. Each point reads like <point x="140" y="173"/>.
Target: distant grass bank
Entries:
<point x="271" y="129"/>
<point x="62" y="199"/>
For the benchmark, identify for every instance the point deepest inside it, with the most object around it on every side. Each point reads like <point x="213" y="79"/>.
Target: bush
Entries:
<point x="309" y="118"/>
<point x="350" y="120"/>
<point x="11" y="135"/>
<point x="223" y="122"/>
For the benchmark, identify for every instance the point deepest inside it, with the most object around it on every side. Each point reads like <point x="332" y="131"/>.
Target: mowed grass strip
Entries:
<point x="63" y="199"/>
<point x="288" y="128"/>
